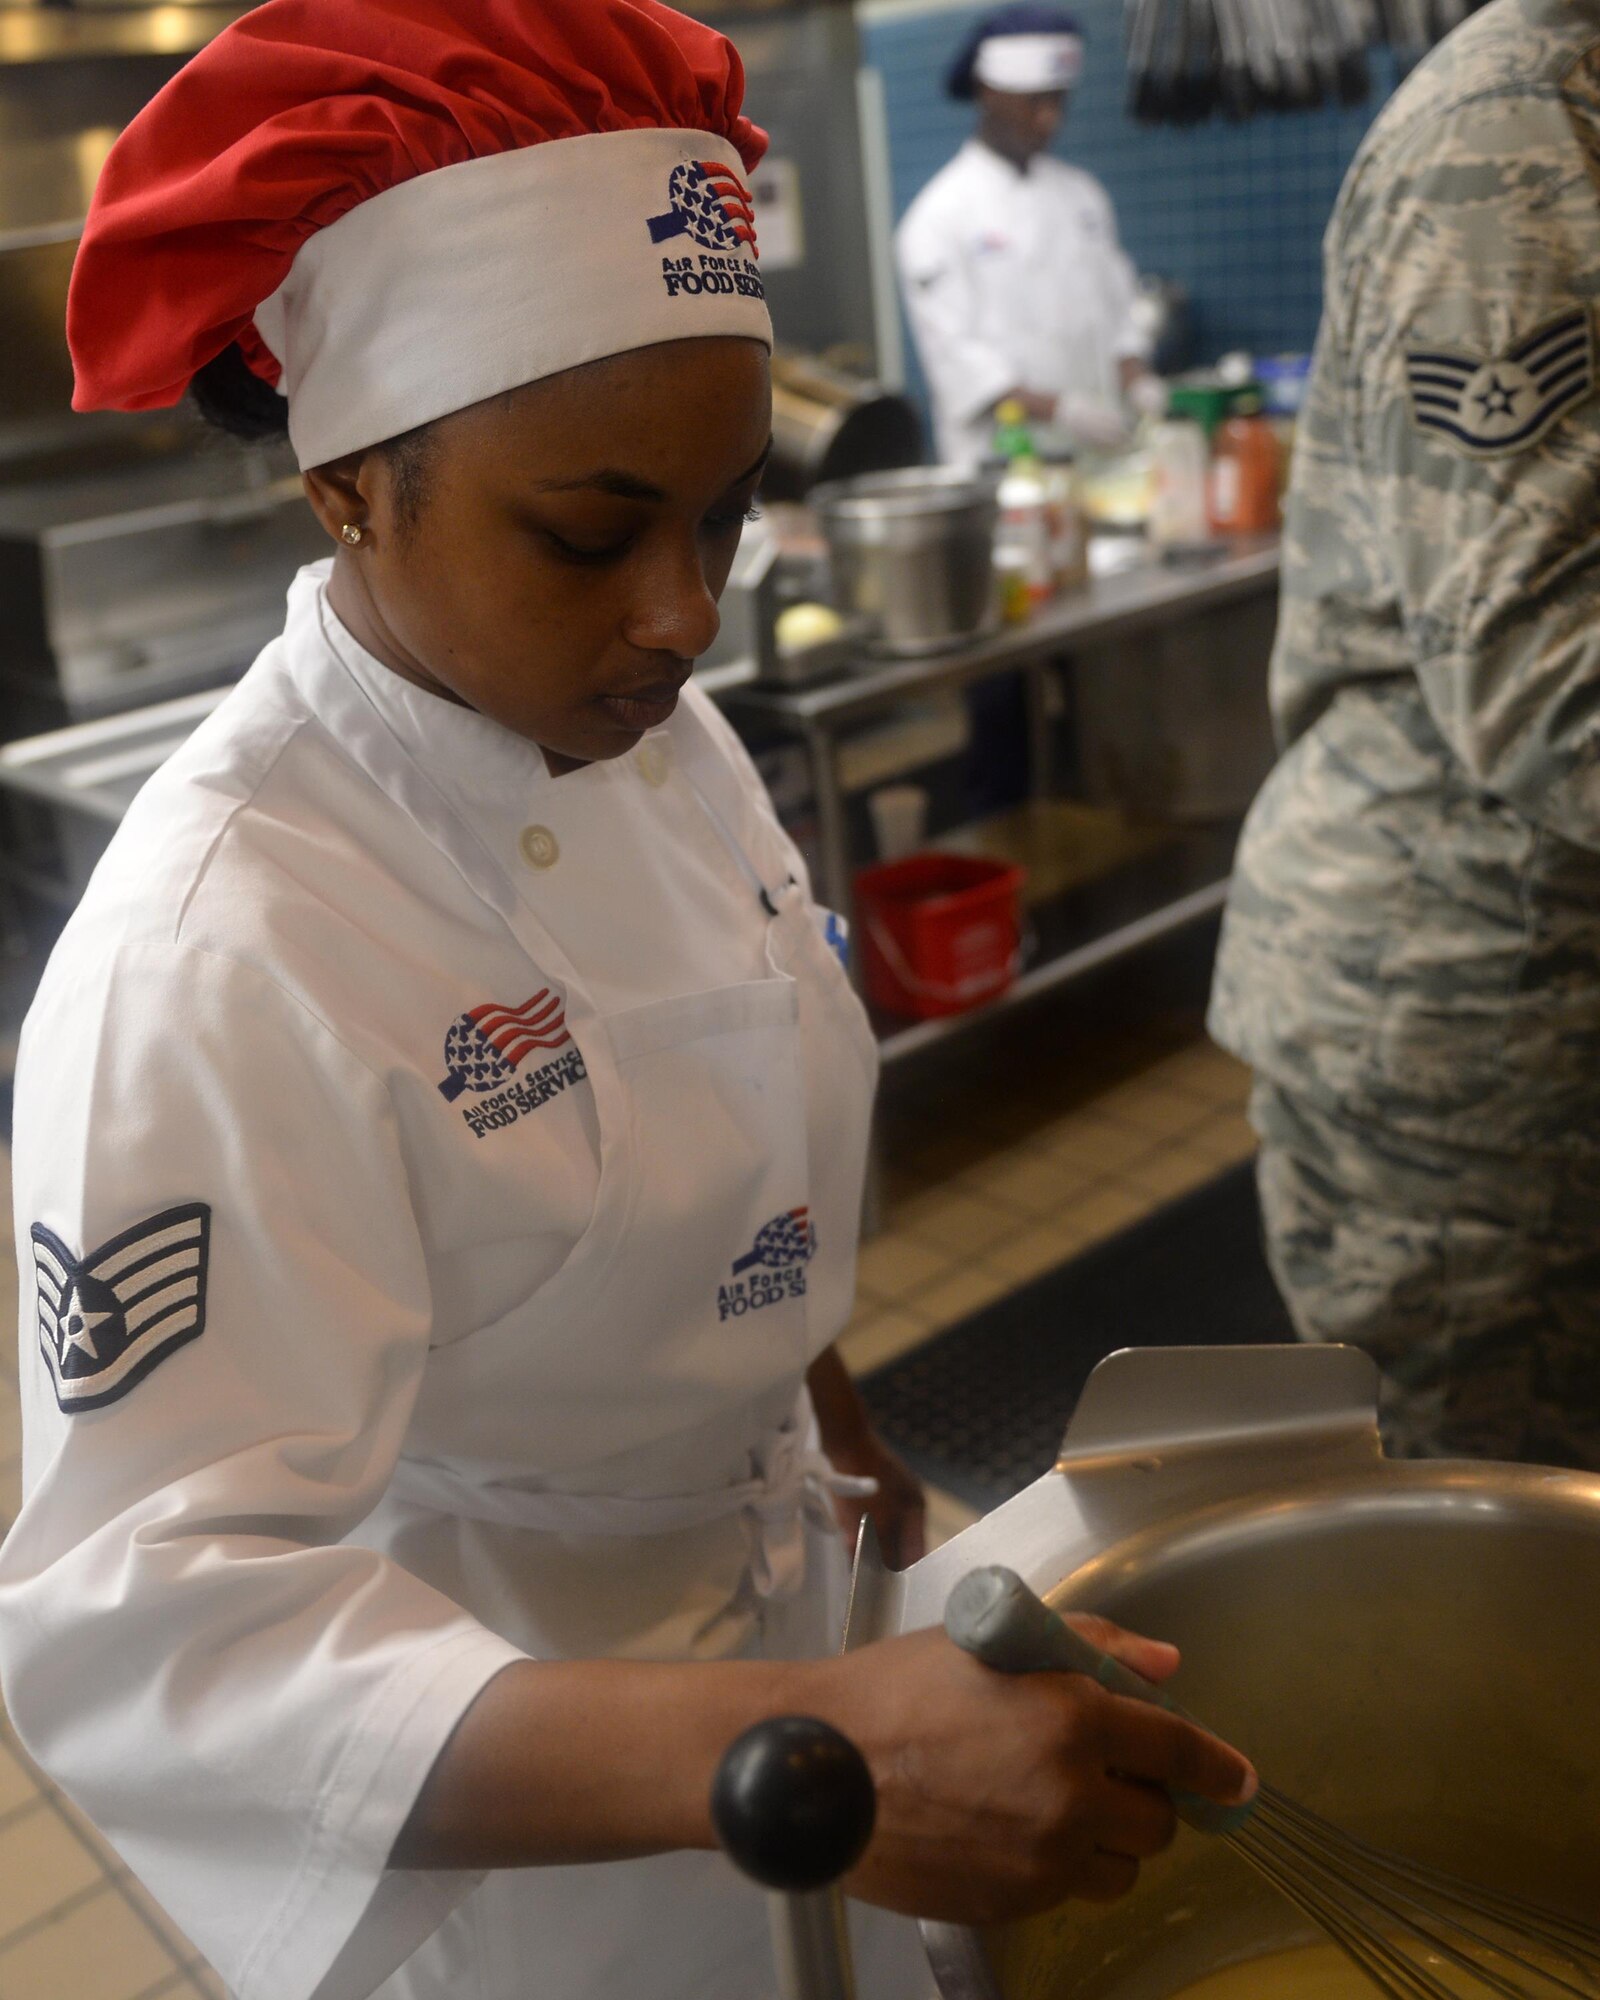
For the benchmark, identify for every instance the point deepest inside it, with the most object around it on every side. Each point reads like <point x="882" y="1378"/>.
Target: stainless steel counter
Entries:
<point x="1224" y="602"/>
<point x="1139" y="597"/>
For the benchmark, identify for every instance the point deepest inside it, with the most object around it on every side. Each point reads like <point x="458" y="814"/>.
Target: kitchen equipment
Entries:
<point x="126" y="585"/>
<point x="746" y="643"/>
<point x="1434" y="1618"/>
<point x="793" y="1805"/>
<point x="64" y="792"/>
<point x="829" y="424"/>
<point x="781" y="564"/>
<point x="138" y="557"/>
<point x="1163" y="316"/>
<point x="941" y="932"/>
<point x="1175" y="726"/>
<point x="1190" y="58"/>
<point x="914" y="550"/>
<point x="1417" y="1934"/>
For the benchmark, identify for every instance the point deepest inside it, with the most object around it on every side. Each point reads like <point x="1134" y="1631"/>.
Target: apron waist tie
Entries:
<point x="793" y="1484"/>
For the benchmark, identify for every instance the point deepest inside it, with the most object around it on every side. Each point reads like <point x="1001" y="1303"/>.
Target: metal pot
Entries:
<point x="914" y="552"/>
<point x="827" y="425"/>
<point x="1406" y="1646"/>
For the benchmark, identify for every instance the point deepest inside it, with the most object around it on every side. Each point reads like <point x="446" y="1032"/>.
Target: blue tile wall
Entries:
<point x="1234" y="212"/>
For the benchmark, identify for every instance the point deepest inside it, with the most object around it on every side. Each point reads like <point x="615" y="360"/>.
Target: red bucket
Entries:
<point x="939" y="932"/>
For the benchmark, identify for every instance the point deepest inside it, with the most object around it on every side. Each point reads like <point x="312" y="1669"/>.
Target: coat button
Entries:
<point x="540" y="848"/>
<point x="655" y="761"/>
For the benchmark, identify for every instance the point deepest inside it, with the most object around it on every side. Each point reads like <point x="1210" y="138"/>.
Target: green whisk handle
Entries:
<point x="993" y="1615"/>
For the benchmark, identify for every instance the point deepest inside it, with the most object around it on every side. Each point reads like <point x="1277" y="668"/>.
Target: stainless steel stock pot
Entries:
<point x="914" y="552"/>
<point x="1413" y="1648"/>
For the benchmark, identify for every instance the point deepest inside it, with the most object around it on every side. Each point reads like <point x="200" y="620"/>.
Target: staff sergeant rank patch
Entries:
<point x="107" y="1319"/>
<point x="1485" y="408"/>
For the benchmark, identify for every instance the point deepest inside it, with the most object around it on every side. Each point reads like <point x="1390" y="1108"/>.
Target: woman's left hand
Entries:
<point x="899" y="1508"/>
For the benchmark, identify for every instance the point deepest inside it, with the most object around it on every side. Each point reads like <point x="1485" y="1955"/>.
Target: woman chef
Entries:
<point x="439" y="1132"/>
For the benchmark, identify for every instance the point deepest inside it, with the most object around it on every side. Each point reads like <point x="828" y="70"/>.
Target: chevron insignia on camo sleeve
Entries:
<point x="1486" y="408"/>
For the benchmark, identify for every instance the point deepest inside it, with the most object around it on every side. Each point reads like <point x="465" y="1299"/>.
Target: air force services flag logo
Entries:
<point x="485" y="1048"/>
<point x="710" y="205"/>
<point x="487" y="1045"/>
<point x="107" y="1319"/>
<point x="773" y="1268"/>
<point x="1485" y="408"/>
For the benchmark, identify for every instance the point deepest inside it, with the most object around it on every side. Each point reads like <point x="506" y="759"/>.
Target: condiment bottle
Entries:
<point x="1011" y="585"/>
<point x="1012" y="437"/>
<point x="1178" y="514"/>
<point x="1069" y="531"/>
<point x="1244" y="475"/>
<point x="1024" y="538"/>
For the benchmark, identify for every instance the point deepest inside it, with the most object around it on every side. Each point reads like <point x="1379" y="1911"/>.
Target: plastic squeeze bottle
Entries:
<point x="1026" y="543"/>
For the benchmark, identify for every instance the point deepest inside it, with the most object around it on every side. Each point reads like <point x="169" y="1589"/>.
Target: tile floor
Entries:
<point x="999" y="1162"/>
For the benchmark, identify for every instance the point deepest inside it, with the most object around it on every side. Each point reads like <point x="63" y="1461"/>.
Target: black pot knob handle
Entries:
<point x="793" y="1804"/>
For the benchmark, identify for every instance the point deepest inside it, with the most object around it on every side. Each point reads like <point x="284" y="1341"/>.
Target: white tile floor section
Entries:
<point x="995" y="1172"/>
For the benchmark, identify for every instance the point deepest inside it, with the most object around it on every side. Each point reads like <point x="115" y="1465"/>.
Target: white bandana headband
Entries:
<point x="1029" y="62"/>
<point x="476" y="278"/>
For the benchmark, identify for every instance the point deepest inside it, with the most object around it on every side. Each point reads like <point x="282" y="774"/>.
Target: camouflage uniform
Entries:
<point x="1411" y="957"/>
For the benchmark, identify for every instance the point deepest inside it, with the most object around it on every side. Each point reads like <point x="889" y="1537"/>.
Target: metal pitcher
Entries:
<point x="1409" y="1647"/>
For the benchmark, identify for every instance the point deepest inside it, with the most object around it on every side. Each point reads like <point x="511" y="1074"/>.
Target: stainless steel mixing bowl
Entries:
<point x="1410" y="1648"/>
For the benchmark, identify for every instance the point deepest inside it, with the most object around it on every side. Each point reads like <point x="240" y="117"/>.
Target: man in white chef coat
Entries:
<point x="1015" y="283"/>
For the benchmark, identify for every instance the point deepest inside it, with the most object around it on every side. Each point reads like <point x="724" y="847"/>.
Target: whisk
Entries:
<point x="1416" y="1933"/>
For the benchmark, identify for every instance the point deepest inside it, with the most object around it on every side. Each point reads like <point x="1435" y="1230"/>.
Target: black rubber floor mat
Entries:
<point x="981" y="1408"/>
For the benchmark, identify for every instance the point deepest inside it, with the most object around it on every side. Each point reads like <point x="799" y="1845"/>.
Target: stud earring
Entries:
<point x="352" y="532"/>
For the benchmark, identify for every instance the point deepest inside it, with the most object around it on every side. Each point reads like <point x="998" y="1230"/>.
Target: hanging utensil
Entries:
<point x="1188" y="59"/>
<point x="1236" y="89"/>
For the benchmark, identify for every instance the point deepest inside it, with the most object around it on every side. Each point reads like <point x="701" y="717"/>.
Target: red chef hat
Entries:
<point x="402" y="207"/>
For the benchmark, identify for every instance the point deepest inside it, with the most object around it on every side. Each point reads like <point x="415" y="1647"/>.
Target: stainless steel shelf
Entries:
<point x="40" y="236"/>
<point x="1180" y="883"/>
<point x="96" y="768"/>
<point x="57" y="34"/>
<point x="1139" y="598"/>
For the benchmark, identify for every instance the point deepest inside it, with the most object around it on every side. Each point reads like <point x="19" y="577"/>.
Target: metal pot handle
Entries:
<point x="793" y="1804"/>
<point x="993" y="1615"/>
<point x="1143" y="1401"/>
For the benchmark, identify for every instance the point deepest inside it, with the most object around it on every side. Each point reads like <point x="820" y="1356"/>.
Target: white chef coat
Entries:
<point x="1014" y="280"/>
<point x="433" y="1180"/>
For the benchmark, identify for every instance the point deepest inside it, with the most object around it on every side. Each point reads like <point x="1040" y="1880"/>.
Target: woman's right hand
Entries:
<point x="999" y="1795"/>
